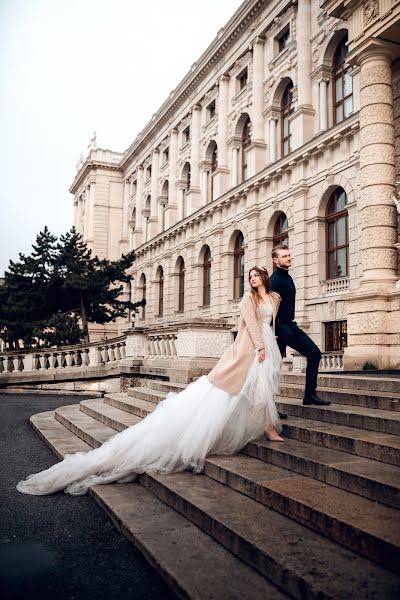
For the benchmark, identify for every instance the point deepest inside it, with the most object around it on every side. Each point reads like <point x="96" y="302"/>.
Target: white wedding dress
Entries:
<point x="179" y="434"/>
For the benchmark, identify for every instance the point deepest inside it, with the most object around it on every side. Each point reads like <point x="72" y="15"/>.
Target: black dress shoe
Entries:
<point x="315" y="400"/>
<point x="282" y="415"/>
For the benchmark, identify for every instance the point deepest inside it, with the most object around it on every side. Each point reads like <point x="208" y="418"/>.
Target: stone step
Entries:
<point x="298" y="560"/>
<point x="147" y="393"/>
<point x="352" y="382"/>
<point x="192" y="563"/>
<point x="369" y="444"/>
<point x="108" y="415"/>
<point x="355" y="522"/>
<point x="385" y="421"/>
<point x="135" y="406"/>
<point x="371" y="479"/>
<point x="389" y="401"/>
<point x="178" y="374"/>
<point x="166" y="386"/>
<point x="88" y="429"/>
<point x="378" y="481"/>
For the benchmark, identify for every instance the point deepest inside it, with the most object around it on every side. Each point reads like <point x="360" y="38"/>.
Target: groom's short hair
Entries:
<point x="276" y="249"/>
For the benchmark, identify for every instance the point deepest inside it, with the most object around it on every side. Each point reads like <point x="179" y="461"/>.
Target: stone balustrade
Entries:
<point x="335" y="286"/>
<point x="331" y="361"/>
<point x="161" y="345"/>
<point x="82" y="356"/>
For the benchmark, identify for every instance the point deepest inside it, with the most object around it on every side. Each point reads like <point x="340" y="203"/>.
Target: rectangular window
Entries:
<point x="283" y="40"/>
<point x="185" y="135"/>
<point x="335" y="336"/>
<point x="211" y="110"/>
<point x="165" y="156"/>
<point x="242" y="79"/>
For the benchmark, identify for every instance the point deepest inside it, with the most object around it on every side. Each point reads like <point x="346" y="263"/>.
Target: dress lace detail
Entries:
<point x="184" y="429"/>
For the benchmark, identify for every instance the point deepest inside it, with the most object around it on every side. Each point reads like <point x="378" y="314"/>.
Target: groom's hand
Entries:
<point x="261" y="355"/>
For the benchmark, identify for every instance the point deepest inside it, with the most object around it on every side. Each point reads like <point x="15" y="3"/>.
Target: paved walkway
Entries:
<point x="58" y="546"/>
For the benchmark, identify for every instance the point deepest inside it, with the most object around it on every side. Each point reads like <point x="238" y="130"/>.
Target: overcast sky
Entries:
<point x="69" y="68"/>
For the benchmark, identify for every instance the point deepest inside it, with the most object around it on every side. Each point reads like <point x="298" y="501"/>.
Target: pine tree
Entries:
<point x="91" y="285"/>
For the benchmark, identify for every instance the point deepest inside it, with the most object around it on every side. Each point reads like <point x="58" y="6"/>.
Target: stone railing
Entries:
<point x="335" y="286"/>
<point x="161" y="345"/>
<point x="91" y="355"/>
<point x="331" y="361"/>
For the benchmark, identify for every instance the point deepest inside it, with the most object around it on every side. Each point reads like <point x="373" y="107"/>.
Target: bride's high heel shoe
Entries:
<point x="272" y="435"/>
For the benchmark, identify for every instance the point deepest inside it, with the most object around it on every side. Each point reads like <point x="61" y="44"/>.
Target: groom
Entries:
<point x="289" y="334"/>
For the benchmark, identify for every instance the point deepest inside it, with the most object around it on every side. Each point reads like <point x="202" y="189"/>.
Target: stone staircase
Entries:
<point x="314" y="517"/>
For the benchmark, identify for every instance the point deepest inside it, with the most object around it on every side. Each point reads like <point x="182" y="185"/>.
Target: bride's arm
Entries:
<point x="248" y="313"/>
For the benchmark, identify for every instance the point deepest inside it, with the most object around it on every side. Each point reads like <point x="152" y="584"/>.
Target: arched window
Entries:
<point x="337" y="236"/>
<point x="281" y="235"/>
<point x="342" y="84"/>
<point x="160" y="292"/>
<point x="207" y="277"/>
<point x="246" y="141"/>
<point x="181" y="286"/>
<point x="214" y="166"/>
<point x="287" y="108"/>
<point x="238" y="267"/>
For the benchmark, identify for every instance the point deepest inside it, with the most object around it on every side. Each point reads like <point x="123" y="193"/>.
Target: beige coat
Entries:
<point x="231" y="371"/>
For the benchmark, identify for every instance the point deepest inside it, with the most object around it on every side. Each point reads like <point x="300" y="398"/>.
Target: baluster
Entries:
<point x="1" y="364"/>
<point x="78" y="358"/>
<point x="36" y="362"/>
<point x="99" y="354"/>
<point x="54" y="360"/>
<point x="41" y="361"/>
<point x="106" y="357"/>
<point x="123" y="349"/>
<point x="10" y="364"/>
<point x="117" y="351"/>
<point x="85" y="357"/>
<point x="46" y="362"/>
<point x="112" y="353"/>
<point x="21" y="365"/>
<point x="173" y="344"/>
<point x="63" y="360"/>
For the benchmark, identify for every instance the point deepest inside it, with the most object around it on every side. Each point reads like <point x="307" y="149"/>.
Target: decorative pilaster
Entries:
<point x="235" y="166"/>
<point x="92" y="202"/>
<point x="139" y="226"/>
<point x="170" y="212"/>
<point x="125" y="211"/>
<point x="153" y="225"/>
<point x="195" y="148"/>
<point x="273" y="124"/>
<point x="223" y="122"/>
<point x="323" y="105"/>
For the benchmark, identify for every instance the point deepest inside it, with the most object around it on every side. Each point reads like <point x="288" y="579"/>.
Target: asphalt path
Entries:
<point x="59" y="547"/>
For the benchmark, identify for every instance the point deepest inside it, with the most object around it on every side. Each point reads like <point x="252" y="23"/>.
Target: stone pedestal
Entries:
<point x="135" y="348"/>
<point x="202" y="342"/>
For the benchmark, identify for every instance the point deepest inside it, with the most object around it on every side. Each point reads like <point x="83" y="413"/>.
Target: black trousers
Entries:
<point x="289" y="334"/>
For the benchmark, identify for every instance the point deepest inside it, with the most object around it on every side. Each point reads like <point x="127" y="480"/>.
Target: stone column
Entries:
<point x="92" y="210"/>
<point x="153" y="225"/>
<point x="195" y="148"/>
<point x="257" y="123"/>
<point x="323" y="105"/>
<point x="173" y="159"/>
<point x="304" y="61"/>
<point x="87" y="210"/>
<point x="302" y="122"/>
<point x="222" y="177"/>
<point x="235" y="166"/>
<point x="272" y="139"/>
<point x="75" y="212"/>
<point x="223" y="122"/>
<point x="377" y="163"/>
<point x="205" y="187"/>
<point x="125" y="211"/>
<point x="170" y="213"/>
<point x="181" y="203"/>
<point x="138" y="234"/>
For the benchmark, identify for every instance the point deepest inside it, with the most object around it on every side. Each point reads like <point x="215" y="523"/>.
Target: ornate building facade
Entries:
<point x="286" y="129"/>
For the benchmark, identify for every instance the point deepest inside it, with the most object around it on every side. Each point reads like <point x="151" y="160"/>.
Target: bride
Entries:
<point x="217" y="414"/>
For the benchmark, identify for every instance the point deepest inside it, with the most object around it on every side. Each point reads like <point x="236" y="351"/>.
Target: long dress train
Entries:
<point x="179" y="434"/>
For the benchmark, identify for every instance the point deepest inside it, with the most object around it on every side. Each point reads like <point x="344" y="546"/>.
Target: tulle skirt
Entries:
<point x="179" y="434"/>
